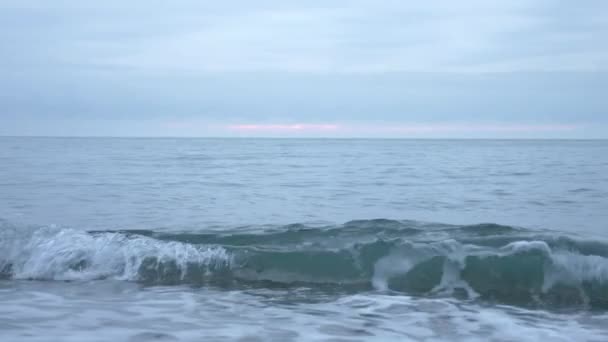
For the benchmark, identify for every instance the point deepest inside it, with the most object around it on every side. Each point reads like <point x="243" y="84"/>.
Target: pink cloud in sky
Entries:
<point x="480" y="128"/>
<point x="284" y="127"/>
<point x="431" y="128"/>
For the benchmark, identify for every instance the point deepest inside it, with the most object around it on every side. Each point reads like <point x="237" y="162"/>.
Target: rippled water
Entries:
<point x="110" y="311"/>
<point x="270" y="239"/>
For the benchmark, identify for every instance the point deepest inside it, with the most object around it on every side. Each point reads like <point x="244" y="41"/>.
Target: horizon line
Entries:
<point x="289" y="137"/>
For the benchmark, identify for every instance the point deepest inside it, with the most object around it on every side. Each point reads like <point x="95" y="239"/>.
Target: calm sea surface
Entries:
<point x="108" y="239"/>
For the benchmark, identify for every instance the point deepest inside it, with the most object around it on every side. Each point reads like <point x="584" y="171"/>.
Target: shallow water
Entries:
<point x="117" y="311"/>
<point x="269" y="239"/>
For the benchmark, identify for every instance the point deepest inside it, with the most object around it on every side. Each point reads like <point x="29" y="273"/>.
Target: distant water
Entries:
<point x="106" y="239"/>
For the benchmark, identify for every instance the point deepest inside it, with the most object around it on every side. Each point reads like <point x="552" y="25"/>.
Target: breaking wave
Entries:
<point x="487" y="261"/>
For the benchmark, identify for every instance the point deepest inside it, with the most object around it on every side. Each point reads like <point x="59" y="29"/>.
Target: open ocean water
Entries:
<point x="108" y="239"/>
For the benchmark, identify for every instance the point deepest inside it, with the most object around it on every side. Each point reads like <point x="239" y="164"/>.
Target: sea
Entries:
<point x="249" y="239"/>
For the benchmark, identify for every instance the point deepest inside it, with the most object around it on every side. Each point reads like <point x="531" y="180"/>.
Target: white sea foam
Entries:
<point x="561" y="267"/>
<point x="121" y="313"/>
<point x="526" y="246"/>
<point x="575" y="269"/>
<point x="65" y="254"/>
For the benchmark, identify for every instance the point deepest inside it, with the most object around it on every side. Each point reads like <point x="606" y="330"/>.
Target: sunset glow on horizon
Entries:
<point x="284" y="127"/>
<point x="392" y="129"/>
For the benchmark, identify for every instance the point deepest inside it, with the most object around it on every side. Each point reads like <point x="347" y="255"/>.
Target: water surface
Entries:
<point x="313" y="239"/>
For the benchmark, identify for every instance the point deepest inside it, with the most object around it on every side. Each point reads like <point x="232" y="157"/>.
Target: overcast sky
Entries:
<point x="471" y="68"/>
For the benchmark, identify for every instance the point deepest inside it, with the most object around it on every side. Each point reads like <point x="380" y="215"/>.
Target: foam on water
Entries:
<point x="52" y="253"/>
<point x="522" y="272"/>
<point x="183" y="314"/>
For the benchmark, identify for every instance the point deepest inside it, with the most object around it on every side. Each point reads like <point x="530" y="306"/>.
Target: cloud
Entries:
<point x="144" y="67"/>
<point x="397" y="129"/>
<point x="298" y="127"/>
<point x="370" y="37"/>
<point x="319" y="36"/>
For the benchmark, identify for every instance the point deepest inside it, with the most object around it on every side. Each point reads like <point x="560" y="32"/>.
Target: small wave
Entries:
<point x="580" y="190"/>
<point x="66" y="254"/>
<point x="486" y="261"/>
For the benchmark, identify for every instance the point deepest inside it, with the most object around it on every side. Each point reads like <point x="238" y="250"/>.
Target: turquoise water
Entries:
<point x="311" y="239"/>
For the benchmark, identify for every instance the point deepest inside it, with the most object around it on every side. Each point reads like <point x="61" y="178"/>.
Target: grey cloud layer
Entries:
<point x="319" y="36"/>
<point x="293" y="61"/>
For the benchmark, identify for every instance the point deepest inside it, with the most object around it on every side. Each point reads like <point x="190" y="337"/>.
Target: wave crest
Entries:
<point x="66" y="254"/>
<point x="495" y="263"/>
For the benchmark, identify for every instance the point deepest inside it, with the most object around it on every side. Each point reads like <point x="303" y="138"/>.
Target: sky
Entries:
<point x="381" y="68"/>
